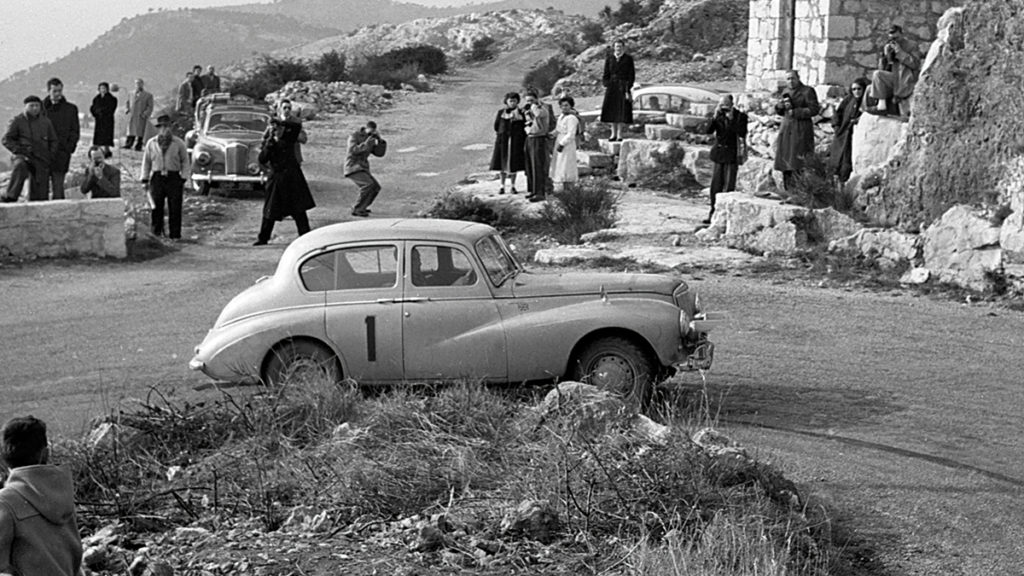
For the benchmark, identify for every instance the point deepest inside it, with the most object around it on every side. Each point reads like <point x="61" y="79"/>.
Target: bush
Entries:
<point x="458" y="206"/>
<point x="482" y="49"/>
<point x="270" y="74"/>
<point x="586" y="206"/>
<point x="427" y="59"/>
<point x="390" y="78"/>
<point x="330" y="67"/>
<point x="592" y="33"/>
<point x="544" y="75"/>
<point x="815" y="187"/>
<point x="669" y="173"/>
<point x="631" y="12"/>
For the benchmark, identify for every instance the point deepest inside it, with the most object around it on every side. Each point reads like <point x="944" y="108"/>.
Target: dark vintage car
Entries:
<point x="225" y="143"/>
<point x="424" y="300"/>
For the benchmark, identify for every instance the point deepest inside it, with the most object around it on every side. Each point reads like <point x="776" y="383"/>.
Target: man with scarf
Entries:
<point x="165" y="169"/>
<point x="64" y="117"/>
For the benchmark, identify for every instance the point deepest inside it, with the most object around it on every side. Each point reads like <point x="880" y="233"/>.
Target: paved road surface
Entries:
<point x="901" y="409"/>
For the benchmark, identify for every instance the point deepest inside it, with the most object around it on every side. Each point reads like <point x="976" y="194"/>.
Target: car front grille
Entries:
<point x="236" y="158"/>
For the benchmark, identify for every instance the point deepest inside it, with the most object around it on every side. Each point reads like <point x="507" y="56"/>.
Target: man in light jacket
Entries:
<point x="140" y="108"/>
<point x="38" y="530"/>
<point x="361" y="144"/>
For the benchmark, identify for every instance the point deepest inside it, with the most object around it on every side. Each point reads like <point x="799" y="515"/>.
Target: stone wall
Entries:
<point x="831" y="41"/>
<point x="63" y="228"/>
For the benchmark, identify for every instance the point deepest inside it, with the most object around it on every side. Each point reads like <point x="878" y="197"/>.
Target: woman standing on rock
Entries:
<point x="563" y="166"/>
<point x="843" y="121"/>
<point x="510" y="141"/>
<point x="104" y="105"/>
<point x="619" y="75"/>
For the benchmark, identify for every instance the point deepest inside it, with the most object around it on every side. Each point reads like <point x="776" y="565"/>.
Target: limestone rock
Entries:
<point x="916" y="276"/>
<point x="92" y="228"/>
<point x="310" y="97"/>
<point x="585" y="409"/>
<point x="532" y="519"/>
<point x="962" y="248"/>
<point x="594" y="159"/>
<point x="833" y="224"/>
<point x="875" y="139"/>
<point x="784" y="238"/>
<point x="563" y="255"/>
<point x="159" y="568"/>
<point x="687" y="122"/>
<point x="662" y="132"/>
<point x="610" y="148"/>
<point x="1011" y="235"/>
<point x="636" y="157"/>
<point x="698" y="162"/>
<point x="756" y="175"/>
<point x="879" y="243"/>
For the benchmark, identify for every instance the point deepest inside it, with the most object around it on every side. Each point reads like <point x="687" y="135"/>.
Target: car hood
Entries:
<point x="531" y="285"/>
<point x="222" y="139"/>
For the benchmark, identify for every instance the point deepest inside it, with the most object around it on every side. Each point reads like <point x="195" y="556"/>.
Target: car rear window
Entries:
<point x="351" y="269"/>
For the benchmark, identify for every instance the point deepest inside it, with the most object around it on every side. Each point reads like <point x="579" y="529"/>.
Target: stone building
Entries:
<point x="830" y="41"/>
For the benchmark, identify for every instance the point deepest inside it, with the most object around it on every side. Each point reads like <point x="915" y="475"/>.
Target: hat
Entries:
<point x="895" y="29"/>
<point x="33" y="98"/>
<point x="163" y="120"/>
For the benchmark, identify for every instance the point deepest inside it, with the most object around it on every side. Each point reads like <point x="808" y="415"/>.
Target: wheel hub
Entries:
<point x="613" y="373"/>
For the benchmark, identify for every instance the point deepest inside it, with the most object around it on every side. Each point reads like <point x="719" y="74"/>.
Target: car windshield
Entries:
<point x="233" y="121"/>
<point x="497" y="259"/>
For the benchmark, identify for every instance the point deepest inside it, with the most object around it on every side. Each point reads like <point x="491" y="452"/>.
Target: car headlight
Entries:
<point x="698" y="308"/>
<point x="203" y="158"/>
<point x="254" y="168"/>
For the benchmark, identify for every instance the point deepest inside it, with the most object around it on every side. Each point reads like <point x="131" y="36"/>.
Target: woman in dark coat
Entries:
<point x="843" y="121"/>
<point x="619" y="75"/>
<point x="104" y="105"/>
<point x="286" y="188"/>
<point x="510" y="141"/>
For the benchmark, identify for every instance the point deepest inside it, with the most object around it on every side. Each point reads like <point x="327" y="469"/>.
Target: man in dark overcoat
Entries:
<point x="197" y="84"/>
<point x="729" y="126"/>
<point x="64" y="117"/>
<point x="32" y="141"/>
<point x="287" y="190"/>
<point x="211" y="81"/>
<point x="795" y="142"/>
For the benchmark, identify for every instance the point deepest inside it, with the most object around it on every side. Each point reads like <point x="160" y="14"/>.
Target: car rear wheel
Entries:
<point x="301" y="363"/>
<point x="617" y="365"/>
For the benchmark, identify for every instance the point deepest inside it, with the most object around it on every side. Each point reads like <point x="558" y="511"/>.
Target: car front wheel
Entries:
<point x="301" y="363"/>
<point x="617" y="365"/>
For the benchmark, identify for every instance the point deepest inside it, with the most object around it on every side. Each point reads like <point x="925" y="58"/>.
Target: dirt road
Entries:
<point x="901" y="409"/>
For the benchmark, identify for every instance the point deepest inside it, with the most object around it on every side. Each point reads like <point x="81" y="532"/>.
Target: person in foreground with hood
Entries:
<point x="38" y="530"/>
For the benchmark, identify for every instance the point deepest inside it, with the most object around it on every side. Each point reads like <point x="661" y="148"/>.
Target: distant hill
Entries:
<point x="348" y="15"/>
<point x="160" y="47"/>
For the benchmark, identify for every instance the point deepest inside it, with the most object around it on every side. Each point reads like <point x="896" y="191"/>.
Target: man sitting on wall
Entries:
<point x="893" y="83"/>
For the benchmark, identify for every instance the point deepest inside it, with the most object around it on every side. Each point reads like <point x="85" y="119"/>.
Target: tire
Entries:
<point x="619" y="366"/>
<point x="204" y="188"/>
<point x="300" y="363"/>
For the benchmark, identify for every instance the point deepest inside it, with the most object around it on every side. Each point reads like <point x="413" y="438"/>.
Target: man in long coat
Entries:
<point x="619" y="75"/>
<point x="286" y="188"/>
<point x="183" y="100"/>
<point x="140" y="108"/>
<point x="32" y="141"/>
<point x="799" y="104"/>
<point x="64" y="117"/>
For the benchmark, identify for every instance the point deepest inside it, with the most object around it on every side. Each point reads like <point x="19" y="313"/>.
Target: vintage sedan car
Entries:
<point x="394" y="300"/>
<point x="650" y="103"/>
<point x="225" y="142"/>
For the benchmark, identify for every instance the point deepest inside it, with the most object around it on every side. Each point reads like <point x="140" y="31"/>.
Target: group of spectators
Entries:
<point x="195" y="86"/>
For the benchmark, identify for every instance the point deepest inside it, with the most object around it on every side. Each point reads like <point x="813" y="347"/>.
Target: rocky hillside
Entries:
<point x="511" y="28"/>
<point x="687" y="41"/>
<point x="966" y="135"/>
<point x="160" y="47"/>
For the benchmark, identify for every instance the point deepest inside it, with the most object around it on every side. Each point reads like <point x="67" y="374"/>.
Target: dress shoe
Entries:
<point x="361" y="213"/>
<point x="6" y="199"/>
<point x="260" y="243"/>
<point x="537" y="198"/>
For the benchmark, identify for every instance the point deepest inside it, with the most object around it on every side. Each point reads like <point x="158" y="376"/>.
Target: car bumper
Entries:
<point x="229" y="178"/>
<point x="700" y="359"/>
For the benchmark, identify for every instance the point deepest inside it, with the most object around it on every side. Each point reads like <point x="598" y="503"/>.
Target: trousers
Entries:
<point x="723" y="179"/>
<point x="167" y="189"/>
<point x="37" y="174"/>
<point x="538" y="161"/>
<point x="368" y="189"/>
<point x="267" y="226"/>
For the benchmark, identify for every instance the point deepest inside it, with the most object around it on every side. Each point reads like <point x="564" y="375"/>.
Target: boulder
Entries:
<point x="716" y="443"/>
<point x="563" y="255"/>
<point x="636" y="157"/>
<point x="879" y="243"/>
<point x="610" y="148"/>
<point x="1011" y="235"/>
<point x="962" y="248"/>
<point x="532" y="519"/>
<point x="832" y="224"/>
<point x="875" y="139"/>
<point x="662" y="132"/>
<point x="594" y="159"/>
<point x="756" y="175"/>
<point x="698" y="162"/>
<point x="785" y="238"/>
<point x="687" y="122"/>
<point x="757" y="224"/>
<point x="584" y="409"/>
<point x="916" y="276"/>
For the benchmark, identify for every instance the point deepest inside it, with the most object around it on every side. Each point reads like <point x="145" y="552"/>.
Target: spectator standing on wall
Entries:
<point x="509" y="141"/>
<point x="287" y="192"/>
<point x="64" y="117"/>
<point x="138" y="109"/>
<point x="197" y="84"/>
<point x="795" y="142"/>
<point x="361" y="144"/>
<point x="563" y="165"/>
<point x="729" y="126"/>
<point x="32" y="141"/>
<point x="538" y="158"/>
<point x="165" y="169"/>
<point x="843" y="122"/>
<point x="211" y="81"/>
<point x="893" y="83"/>
<point x="618" y="78"/>
<point x="101" y="179"/>
<point x="38" y="529"/>
<point x="104" y="106"/>
<point x="183" y="100"/>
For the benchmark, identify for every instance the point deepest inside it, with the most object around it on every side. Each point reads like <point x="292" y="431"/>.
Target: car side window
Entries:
<point x="351" y="269"/>
<point x="440" y="266"/>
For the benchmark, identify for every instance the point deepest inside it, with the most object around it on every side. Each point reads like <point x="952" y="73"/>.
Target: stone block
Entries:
<point x="783" y="239"/>
<point x="698" y="162"/>
<point x="594" y="159"/>
<point x="962" y="248"/>
<point x="637" y="156"/>
<point x="563" y="255"/>
<point x="662" y="132"/>
<point x="63" y="228"/>
<point x="756" y="175"/>
<point x="704" y="109"/>
<point x="684" y="122"/>
<point x="610" y="148"/>
<point x="879" y="243"/>
<point x="874" y="139"/>
<point x="833" y="224"/>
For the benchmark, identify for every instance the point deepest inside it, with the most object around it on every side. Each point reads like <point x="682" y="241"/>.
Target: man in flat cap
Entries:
<point x="893" y="83"/>
<point x="32" y="141"/>
<point x="165" y="169"/>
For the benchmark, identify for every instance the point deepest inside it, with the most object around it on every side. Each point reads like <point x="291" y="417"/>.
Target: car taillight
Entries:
<point x="203" y="159"/>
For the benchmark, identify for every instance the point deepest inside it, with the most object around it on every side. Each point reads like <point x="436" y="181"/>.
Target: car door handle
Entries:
<point x="386" y="300"/>
<point x="416" y="299"/>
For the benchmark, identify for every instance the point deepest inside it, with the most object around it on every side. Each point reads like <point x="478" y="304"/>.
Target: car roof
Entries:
<point x="684" y="90"/>
<point x="386" y="229"/>
<point x="216" y="107"/>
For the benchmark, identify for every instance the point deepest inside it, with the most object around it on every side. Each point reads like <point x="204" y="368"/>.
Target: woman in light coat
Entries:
<point x="563" y="166"/>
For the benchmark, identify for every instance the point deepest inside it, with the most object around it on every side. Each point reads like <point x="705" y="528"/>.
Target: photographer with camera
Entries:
<point x="101" y="179"/>
<point x="363" y="142"/>
<point x="893" y="83"/>
<point x="797" y="106"/>
<point x="729" y="126"/>
<point x="538" y="156"/>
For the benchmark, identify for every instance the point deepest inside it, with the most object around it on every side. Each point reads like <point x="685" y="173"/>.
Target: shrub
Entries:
<point x="669" y="172"/>
<point x="329" y="67"/>
<point x="270" y="74"/>
<point x="428" y="59"/>
<point x="458" y="206"/>
<point x="631" y="12"/>
<point x="390" y="78"/>
<point x="544" y="75"/>
<point x="592" y="33"/>
<point x="586" y="206"/>
<point x="815" y="187"/>
<point x="482" y="49"/>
